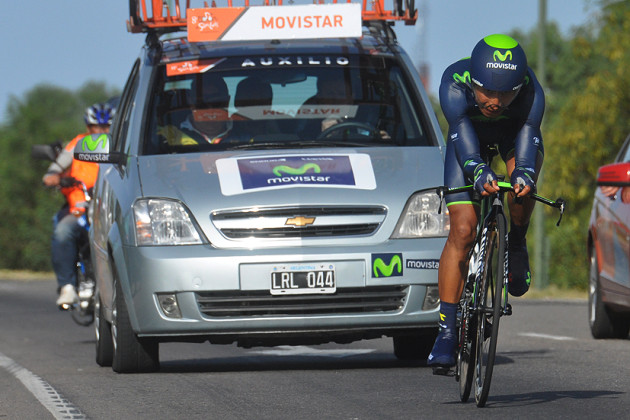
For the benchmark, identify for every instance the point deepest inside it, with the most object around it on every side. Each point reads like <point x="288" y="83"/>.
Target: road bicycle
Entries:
<point x="485" y="295"/>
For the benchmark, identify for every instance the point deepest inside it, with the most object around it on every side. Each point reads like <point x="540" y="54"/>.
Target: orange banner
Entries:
<point x="211" y="24"/>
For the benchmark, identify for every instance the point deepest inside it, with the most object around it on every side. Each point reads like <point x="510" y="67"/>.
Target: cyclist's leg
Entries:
<point x="520" y="214"/>
<point x="64" y="249"/>
<point x="453" y="268"/>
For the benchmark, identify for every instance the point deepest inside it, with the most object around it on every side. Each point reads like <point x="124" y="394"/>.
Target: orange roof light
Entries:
<point x="165" y="15"/>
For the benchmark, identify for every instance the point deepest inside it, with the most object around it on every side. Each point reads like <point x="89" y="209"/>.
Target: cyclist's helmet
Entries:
<point x="99" y="114"/>
<point x="498" y="63"/>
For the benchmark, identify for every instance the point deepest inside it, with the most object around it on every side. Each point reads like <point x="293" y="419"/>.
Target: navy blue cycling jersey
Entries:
<point x="516" y="130"/>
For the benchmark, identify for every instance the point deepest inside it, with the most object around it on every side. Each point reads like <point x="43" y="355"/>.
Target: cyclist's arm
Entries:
<point x="528" y="142"/>
<point x="62" y="163"/>
<point x="461" y="133"/>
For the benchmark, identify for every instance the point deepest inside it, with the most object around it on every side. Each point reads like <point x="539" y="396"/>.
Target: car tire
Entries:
<point x="104" y="342"/>
<point x="604" y="323"/>
<point x="414" y="346"/>
<point x="131" y="353"/>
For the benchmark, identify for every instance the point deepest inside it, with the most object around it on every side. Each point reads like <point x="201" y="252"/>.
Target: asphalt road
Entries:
<point x="548" y="366"/>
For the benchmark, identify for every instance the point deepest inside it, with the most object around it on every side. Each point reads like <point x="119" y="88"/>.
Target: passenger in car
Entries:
<point x="253" y="116"/>
<point x="209" y="121"/>
<point x="331" y="90"/>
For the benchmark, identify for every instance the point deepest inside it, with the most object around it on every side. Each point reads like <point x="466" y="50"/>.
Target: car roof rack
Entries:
<point x="162" y="16"/>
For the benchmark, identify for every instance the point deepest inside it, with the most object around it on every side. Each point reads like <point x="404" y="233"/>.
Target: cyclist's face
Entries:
<point x="98" y="128"/>
<point x="492" y="103"/>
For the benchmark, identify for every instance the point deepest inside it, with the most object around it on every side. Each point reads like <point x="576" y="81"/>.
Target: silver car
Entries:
<point x="267" y="193"/>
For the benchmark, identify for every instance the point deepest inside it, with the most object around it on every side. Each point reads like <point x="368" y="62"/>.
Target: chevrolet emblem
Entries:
<point x="300" y="221"/>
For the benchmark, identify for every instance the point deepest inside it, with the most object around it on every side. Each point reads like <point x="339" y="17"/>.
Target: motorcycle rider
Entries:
<point x="66" y="223"/>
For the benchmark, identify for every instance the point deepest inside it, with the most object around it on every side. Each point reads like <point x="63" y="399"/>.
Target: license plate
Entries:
<point x="296" y="279"/>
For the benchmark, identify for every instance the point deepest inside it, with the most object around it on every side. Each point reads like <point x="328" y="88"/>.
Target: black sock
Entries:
<point x="516" y="237"/>
<point x="448" y="315"/>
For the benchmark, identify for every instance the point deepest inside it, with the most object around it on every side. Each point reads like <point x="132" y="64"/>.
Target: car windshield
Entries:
<point x="283" y="102"/>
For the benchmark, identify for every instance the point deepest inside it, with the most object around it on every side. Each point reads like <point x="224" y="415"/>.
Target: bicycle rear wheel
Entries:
<point x="490" y="306"/>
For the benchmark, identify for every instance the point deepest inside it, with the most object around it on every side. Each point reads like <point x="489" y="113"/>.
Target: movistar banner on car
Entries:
<point x="242" y="175"/>
<point x="314" y="21"/>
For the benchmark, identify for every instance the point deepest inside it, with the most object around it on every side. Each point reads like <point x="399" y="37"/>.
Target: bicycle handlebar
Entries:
<point x="558" y="203"/>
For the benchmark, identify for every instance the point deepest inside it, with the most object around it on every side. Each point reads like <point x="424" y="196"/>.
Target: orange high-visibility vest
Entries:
<point x="82" y="171"/>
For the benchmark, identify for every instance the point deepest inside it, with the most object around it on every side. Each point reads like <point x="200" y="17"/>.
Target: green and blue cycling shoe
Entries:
<point x="443" y="354"/>
<point x="519" y="275"/>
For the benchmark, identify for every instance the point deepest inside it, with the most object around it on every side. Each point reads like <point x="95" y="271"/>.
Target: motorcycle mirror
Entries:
<point x="44" y="152"/>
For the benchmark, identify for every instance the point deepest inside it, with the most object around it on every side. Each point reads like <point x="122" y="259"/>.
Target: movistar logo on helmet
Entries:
<point x="501" y="42"/>
<point x="387" y="265"/>
<point x="502" y="57"/>
<point x="288" y="170"/>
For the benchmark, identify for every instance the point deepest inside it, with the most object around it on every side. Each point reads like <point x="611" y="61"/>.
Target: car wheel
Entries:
<point x="414" y="346"/>
<point x="131" y="353"/>
<point x="604" y="322"/>
<point x="104" y="342"/>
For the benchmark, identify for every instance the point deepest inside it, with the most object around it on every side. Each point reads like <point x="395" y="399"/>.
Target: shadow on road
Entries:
<point x="547" y="397"/>
<point x="274" y="363"/>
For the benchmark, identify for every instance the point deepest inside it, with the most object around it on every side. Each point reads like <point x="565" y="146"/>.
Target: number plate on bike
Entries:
<point x="297" y="279"/>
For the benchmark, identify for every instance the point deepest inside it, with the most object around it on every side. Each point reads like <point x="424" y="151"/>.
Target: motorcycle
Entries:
<point x="82" y="311"/>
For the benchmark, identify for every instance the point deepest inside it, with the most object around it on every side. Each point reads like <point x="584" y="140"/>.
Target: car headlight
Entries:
<point x="163" y="222"/>
<point x="420" y="218"/>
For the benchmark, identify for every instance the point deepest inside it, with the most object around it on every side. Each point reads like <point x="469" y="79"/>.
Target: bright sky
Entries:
<point x="69" y="42"/>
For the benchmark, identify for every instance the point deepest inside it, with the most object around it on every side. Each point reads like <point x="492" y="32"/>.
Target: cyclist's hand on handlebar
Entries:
<point x="485" y="180"/>
<point x="67" y="181"/>
<point x="522" y="180"/>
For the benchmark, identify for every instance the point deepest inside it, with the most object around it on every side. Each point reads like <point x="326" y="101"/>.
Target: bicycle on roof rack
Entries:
<point x="485" y="295"/>
<point x="172" y="15"/>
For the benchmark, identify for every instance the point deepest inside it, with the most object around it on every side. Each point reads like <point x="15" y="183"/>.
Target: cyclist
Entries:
<point x="489" y="99"/>
<point x="67" y="230"/>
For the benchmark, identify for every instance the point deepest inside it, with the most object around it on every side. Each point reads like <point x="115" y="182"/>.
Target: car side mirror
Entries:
<point x="96" y="148"/>
<point x="616" y="174"/>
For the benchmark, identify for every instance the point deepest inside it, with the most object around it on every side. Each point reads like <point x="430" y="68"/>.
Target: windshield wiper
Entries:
<point x="303" y="144"/>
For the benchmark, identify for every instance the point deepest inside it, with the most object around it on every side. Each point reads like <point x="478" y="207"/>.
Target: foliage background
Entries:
<point x="586" y="120"/>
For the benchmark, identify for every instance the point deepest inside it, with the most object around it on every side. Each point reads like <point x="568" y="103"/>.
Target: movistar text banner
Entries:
<point x="275" y="22"/>
<point x="242" y="175"/>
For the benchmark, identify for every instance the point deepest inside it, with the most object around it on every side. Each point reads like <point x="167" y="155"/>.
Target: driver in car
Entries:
<point x="209" y="121"/>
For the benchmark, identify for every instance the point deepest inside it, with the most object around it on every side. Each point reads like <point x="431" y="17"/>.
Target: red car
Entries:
<point x="609" y="250"/>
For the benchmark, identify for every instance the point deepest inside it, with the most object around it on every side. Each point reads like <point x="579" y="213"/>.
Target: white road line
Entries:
<point x="547" y="336"/>
<point x="54" y="402"/>
<point x="309" y="351"/>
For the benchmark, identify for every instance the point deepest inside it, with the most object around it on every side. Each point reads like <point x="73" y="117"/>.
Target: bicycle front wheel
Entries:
<point x="490" y="300"/>
<point x="467" y="349"/>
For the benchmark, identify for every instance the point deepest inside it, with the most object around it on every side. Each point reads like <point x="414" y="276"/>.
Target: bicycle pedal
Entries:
<point x="508" y="310"/>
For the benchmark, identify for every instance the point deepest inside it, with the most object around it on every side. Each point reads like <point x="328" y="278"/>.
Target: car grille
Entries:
<point x="261" y="303"/>
<point x="299" y="222"/>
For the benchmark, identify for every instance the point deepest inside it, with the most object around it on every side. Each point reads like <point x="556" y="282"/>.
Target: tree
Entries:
<point x="587" y="131"/>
